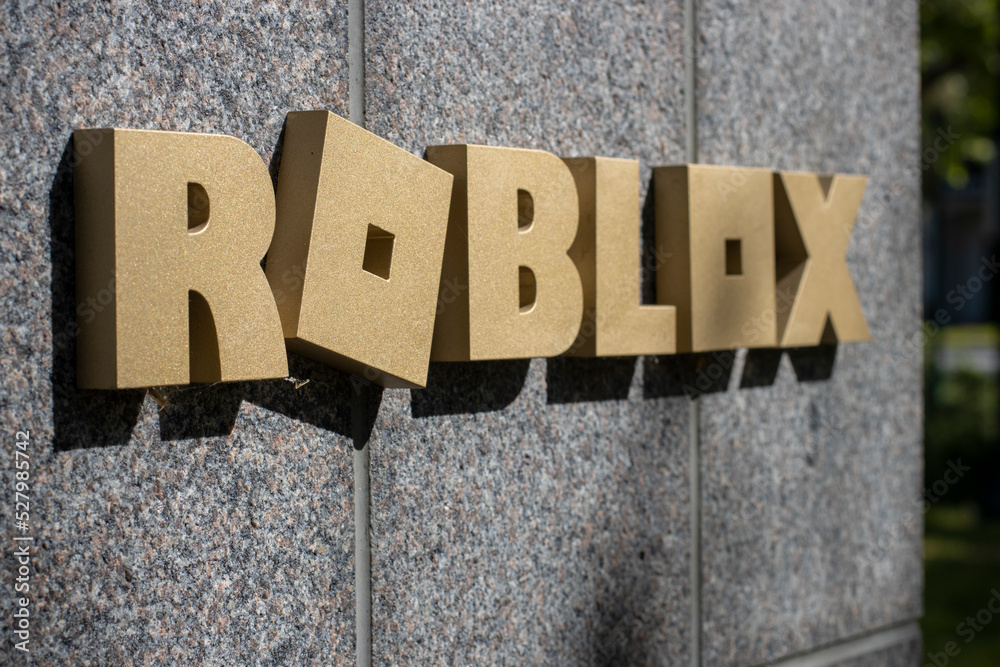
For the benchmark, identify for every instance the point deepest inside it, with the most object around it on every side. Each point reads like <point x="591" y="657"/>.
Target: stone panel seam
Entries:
<point x="854" y="647"/>
<point x="362" y="537"/>
<point x="356" y="61"/>
<point x="690" y="79"/>
<point x="694" y="412"/>
<point x="362" y="452"/>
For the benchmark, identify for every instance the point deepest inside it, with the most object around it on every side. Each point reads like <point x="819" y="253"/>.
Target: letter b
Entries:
<point x="514" y="216"/>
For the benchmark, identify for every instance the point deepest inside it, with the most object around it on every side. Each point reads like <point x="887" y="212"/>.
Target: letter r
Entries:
<point x="179" y="222"/>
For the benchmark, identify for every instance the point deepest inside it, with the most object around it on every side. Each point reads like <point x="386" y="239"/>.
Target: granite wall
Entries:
<point x="731" y="509"/>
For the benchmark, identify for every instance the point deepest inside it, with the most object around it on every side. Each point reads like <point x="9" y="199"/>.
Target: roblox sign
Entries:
<point x="378" y="262"/>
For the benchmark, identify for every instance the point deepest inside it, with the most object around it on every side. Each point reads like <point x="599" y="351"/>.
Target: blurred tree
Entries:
<point x="960" y="63"/>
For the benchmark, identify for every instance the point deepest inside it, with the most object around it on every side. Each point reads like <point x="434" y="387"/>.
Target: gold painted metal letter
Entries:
<point x="356" y="258"/>
<point x="170" y="231"/>
<point x="715" y="226"/>
<point x="509" y="290"/>
<point x="606" y="253"/>
<point x="814" y="217"/>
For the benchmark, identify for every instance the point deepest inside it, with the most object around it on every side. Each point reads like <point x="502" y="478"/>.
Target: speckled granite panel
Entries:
<point x="532" y="534"/>
<point x="217" y="529"/>
<point x="530" y="513"/>
<point x="811" y="470"/>
<point x="903" y="655"/>
<point x="576" y="79"/>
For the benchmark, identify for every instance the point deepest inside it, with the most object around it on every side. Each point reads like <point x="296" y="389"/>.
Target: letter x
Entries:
<point x="814" y="218"/>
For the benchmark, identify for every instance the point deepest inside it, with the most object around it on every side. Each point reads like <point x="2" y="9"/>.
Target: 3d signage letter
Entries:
<point x="176" y="224"/>
<point x="378" y="262"/>
<point x="513" y="219"/>
<point x="813" y="221"/>
<point x="356" y="256"/>
<point x="606" y="255"/>
<point x="717" y="225"/>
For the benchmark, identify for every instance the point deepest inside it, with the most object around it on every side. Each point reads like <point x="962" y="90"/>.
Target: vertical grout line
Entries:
<point x="359" y="408"/>
<point x="356" y="61"/>
<point x="694" y="417"/>
<point x="694" y="411"/>
<point x="362" y="520"/>
<point x="690" y="79"/>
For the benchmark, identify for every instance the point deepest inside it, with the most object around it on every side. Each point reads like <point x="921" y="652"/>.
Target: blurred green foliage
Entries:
<point x="960" y="63"/>
<point x="961" y="417"/>
<point x="960" y="67"/>
<point x="962" y="524"/>
<point x="960" y="424"/>
<point x="962" y="569"/>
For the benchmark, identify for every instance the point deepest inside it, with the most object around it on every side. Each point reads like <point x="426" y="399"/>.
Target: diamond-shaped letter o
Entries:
<point x="715" y="228"/>
<point x="170" y="231"/>
<point x="356" y="258"/>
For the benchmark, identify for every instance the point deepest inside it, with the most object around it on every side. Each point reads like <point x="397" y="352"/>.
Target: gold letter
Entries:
<point x="508" y="287"/>
<point x="716" y="226"/>
<point x="170" y="231"/>
<point x="356" y="258"/>
<point x="606" y="253"/>
<point x="813" y="220"/>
